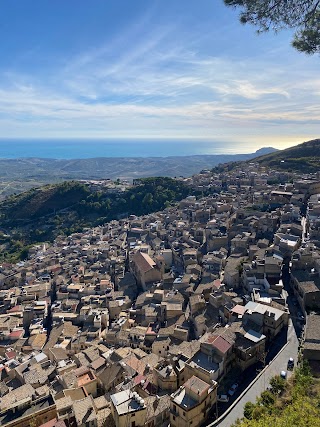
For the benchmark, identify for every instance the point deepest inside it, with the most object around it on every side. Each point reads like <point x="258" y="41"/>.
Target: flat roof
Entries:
<point x="202" y="360"/>
<point x="183" y="399"/>
<point x="254" y="336"/>
<point x="124" y="402"/>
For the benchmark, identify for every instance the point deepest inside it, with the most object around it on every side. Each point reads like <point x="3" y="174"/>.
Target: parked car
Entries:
<point x="223" y="398"/>
<point x="290" y="364"/>
<point x="283" y="374"/>
<point x="233" y="389"/>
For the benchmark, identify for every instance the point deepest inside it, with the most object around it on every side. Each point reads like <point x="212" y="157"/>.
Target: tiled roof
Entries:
<point x="84" y="411"/>
<point x="143" y="261"/>
<point x="136" y="364"/>
<point x="54" y="423"/>
<point x="196" y="385"/>
<point x="16" y="396"/>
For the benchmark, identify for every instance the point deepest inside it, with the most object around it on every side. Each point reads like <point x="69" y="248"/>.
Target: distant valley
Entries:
<point x="17" y="175"/>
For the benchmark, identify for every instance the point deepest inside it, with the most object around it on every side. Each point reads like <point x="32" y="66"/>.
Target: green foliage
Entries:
<point x="297" y="405"/>
<point x="249" y="408"/>
<point x="277" y="384"/>
<point x="41" y="214"/>
<point x="303" y="15"/>
<point x="308" y="38"/>
<point x="267" y="399"/>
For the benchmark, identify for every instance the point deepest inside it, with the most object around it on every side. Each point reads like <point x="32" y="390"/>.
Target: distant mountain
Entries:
<point x="17" y="175"/>
<point x="265" y="150"/>
<point x="304" y="158"/>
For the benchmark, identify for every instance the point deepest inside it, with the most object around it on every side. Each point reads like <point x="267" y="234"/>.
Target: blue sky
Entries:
<point x="151" y="69"/>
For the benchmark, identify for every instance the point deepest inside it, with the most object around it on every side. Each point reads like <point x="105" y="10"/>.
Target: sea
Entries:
<point x="91" y="148"/>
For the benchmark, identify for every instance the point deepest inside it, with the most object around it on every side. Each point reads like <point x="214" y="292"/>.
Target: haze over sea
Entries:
<point x="88" y="148"/>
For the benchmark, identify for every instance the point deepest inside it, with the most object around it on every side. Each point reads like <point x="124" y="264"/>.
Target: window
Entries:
<point x="133" y="424"/>
<point x="184" y="414"/>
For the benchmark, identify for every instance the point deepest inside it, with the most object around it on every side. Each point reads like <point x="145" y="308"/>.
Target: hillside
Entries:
<point x="17" y="175"/>
<point x="41" y="214"/>
<point x="303" y="158"/>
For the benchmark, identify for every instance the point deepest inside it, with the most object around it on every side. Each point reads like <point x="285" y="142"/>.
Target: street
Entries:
<point x="274" y="368"/>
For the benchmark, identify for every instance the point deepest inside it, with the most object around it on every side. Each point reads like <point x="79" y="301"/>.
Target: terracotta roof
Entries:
<point x="54" y="423"/>
<point x="143" y="261"/>
<point x="82" y="370"/>
<point x="10" y="354"/>
<point x="238" y="309"/>
<point x="221" y="344"/>
<point x="16" y="334"/>
<point x="196" y="385"/>
<point x="15" y="309"/>
<point x="138" y="365"/>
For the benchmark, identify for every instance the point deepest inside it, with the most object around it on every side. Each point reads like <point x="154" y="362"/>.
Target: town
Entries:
<point x="170" y="317"/>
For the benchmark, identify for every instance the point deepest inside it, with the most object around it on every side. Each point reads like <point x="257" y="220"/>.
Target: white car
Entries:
<point x="283" y="374"/>
<point x="223" y="398"/>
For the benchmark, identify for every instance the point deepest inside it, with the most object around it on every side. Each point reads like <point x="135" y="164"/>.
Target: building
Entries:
<point x="191" y="403"/>
<point x="306" y="287"/>
<point x="128" y="409"/>
<point x="165" y="377"/>
<point x="311" y="347"/>
<point x="145" y="269"/>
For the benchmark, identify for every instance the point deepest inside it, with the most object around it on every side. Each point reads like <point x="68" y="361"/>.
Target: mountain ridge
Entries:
<point x="304" y="157"/>
<point x="22" y="174"/>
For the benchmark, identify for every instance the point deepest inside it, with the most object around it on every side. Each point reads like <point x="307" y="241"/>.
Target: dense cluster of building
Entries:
<point x="146" y="320"/>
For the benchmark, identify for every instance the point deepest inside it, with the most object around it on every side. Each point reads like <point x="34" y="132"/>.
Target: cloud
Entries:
<point x="155" y="85"/>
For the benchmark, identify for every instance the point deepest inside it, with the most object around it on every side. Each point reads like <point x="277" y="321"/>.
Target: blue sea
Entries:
<point x="88" y="148"/>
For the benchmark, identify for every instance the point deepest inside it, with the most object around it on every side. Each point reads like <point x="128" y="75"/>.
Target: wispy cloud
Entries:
<point x="155" y="85"/>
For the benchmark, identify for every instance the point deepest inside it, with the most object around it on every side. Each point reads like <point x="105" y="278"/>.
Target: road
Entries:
<point x="274" y="368"/>
<point x="304" y="229"/>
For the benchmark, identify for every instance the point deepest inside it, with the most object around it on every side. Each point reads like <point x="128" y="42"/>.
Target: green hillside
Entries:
<point x="41" y="214"/>
<point x="303" y="158"/>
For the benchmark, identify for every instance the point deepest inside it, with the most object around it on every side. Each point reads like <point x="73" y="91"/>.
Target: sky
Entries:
<point x="171" y="69"/>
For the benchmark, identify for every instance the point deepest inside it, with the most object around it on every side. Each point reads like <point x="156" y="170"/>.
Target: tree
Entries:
<point x="277" y="384"/>
<point x="267" y="399"/>
<point x="302" y="15"/>
<point x="249" y="408"/>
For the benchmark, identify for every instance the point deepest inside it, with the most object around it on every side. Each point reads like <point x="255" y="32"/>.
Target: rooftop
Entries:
<point x="143" y="261"/>
<point x="127" y="401"/>
<point x="194" y="386"/>
<point x="203" y="361"/>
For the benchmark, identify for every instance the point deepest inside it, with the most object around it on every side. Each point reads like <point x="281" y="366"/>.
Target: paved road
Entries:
<point x="274" y="368"/>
